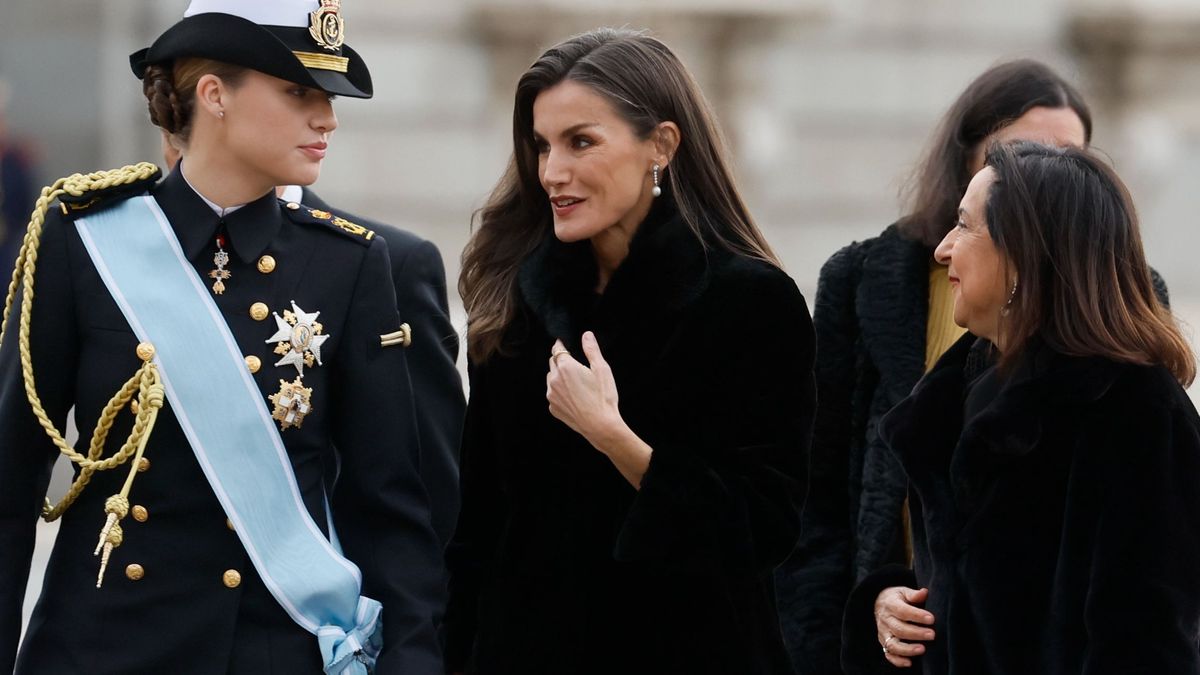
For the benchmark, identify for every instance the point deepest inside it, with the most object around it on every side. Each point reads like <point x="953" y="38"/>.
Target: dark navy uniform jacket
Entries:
<point x="420" y="281"/>
<point x="182" y="614"/>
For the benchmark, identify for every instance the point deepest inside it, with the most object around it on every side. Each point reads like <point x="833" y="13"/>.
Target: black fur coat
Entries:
<point x="870" y="317"/>
<point x="1056" y="521"/>
<point x="559" y="565"/>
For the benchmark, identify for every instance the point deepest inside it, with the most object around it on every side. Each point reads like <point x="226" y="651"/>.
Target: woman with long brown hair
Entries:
<point x="616" y="258"/>
<point x="1051" y="460"/>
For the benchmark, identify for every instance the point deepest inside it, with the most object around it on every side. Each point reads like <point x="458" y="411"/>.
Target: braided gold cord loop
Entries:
<point x="143" y="382"/>
<point x="150" y="401"/>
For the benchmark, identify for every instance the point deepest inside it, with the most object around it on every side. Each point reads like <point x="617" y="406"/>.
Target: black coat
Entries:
<point x="1056" y="521"/>
<point x="180" y="617"/>
<point x="420" y="281"/>
<point x="870" y="317"/>
<point x="559" y="565"/>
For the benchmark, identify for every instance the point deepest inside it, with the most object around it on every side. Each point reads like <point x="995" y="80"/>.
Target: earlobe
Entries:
<point x="210" y="94"/>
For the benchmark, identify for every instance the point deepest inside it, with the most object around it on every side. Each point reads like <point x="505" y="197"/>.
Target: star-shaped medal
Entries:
<point x="299" y="338"/>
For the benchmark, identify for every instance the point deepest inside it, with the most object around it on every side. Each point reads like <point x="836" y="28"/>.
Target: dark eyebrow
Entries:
<point x="572" y="130"/>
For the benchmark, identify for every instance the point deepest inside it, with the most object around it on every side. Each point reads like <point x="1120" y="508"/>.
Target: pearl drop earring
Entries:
<point x="1004" y="311"/>
<point x="657" y="190"/>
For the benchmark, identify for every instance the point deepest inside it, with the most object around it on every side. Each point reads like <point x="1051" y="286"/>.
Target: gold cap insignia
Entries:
<point x="326" y="25"/>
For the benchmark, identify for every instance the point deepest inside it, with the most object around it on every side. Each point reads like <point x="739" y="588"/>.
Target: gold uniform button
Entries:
<point x="143" y="465"/>
<point x="232" y="578"/>
<point x="229" y="523"/>
<point x="266" y="264"/>
<point x="253" y="363"/>
<point x="140" y="513"/>
<point x="135" y="572"/>
<point x="293" y="206"/>
<point x="259" y="311"/>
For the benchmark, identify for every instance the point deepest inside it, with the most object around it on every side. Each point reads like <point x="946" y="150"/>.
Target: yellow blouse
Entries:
<point x="940" y="334"/>
<point x="940" y="330"/>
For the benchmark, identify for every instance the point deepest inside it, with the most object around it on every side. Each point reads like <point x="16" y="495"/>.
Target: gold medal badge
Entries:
<point x="292" y="402"/>
<point x="298" y="339"/>
<point x="326" y="25"/>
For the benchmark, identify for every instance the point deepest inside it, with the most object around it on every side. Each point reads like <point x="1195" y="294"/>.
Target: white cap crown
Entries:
<point x="290" y="13"/>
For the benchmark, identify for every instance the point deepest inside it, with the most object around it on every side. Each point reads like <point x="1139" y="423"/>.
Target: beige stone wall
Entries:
<point x="825" y="104"/>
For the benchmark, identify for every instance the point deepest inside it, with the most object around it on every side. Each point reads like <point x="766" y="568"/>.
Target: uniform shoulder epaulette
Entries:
<point x="87" y="192"/>
<point x="311" y="216"/>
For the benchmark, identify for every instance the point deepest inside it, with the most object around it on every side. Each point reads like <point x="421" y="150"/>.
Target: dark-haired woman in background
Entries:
<point x="882" y="318"/>
<point x="1052" y="463"/>
<point x="617" y="258"/>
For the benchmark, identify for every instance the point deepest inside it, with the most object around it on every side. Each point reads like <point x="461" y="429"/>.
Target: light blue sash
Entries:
<point x="224" y="416"/>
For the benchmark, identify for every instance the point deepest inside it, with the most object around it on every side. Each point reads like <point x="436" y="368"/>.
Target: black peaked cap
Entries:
<point x="267" y="49"/>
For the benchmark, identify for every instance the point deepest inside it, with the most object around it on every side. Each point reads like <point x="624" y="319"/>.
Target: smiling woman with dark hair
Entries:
<point x="882" y="318"/>
<point x="616" y="258"/>
<point x="1052" y="460"/>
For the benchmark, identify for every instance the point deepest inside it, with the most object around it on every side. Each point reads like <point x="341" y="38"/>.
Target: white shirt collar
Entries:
<point x="221" y="212"/>
<point x="292" y="193"/>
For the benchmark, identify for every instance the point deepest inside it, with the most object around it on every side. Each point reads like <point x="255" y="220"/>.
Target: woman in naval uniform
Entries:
<point x="221" y="344"/>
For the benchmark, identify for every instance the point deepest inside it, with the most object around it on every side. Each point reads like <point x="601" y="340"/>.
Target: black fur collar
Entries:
<point x="928" y="429"/>
<point x="666" y="270"/>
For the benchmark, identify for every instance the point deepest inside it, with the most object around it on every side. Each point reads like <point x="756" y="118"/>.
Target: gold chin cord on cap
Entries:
<point x="145" y="383"/>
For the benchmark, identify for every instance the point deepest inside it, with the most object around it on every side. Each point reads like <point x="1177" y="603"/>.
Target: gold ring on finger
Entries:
<point x="887" y="644"/>
<point x="554" y="355"/>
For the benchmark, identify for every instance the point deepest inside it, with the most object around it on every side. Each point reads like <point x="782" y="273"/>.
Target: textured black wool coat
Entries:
<point x="559" y="565"/>
<point x="1057" y="526"/>
<point x="870" y="318"/>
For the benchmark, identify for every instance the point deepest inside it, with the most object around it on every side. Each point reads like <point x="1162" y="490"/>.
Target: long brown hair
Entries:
<point x="647" y="85"/>
<point x="1066" y="222"/>
<point x="995" y="99"/>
